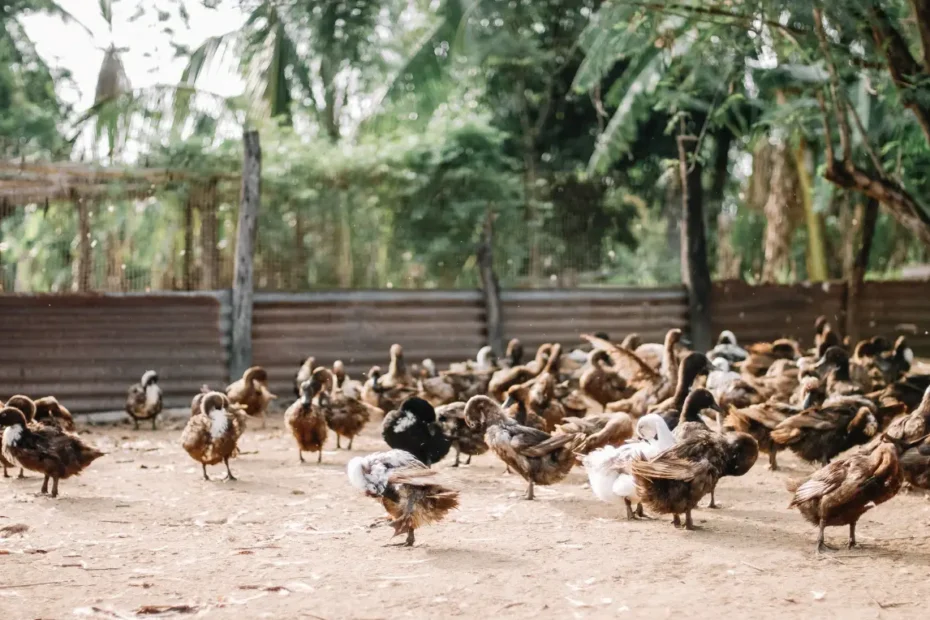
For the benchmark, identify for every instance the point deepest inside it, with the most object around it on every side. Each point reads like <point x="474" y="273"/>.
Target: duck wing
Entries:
<point x="823" y="481"/>
<point x="538" y="443"/>
<point x="667" y="468"/>
<point x="636" y="372"/>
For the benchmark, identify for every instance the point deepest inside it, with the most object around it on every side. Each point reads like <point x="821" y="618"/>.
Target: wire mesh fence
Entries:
<point x="154" y="231"/>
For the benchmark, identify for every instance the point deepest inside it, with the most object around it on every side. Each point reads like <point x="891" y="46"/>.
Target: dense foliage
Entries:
<point x="392" y="129"/>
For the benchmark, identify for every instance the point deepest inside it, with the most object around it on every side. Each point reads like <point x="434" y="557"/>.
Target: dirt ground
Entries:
<point x="141" y="527"/>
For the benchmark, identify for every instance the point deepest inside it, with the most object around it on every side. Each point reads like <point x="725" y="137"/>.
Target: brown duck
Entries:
<point x="502" y="380"/>
<point x="465" y="439"/>
<point x="607" y="429"/>
<point x="28" y="408"/>
<point x="307" y="421"/>
<point x="345" y="416"/>
<point x="601" y="382"/>
<point x="841" y="492"/>
<point x="45" y="449"/>
<point x="251" y="393"/>
<point x="540" y="458"/>
<point x="212" y="435"/>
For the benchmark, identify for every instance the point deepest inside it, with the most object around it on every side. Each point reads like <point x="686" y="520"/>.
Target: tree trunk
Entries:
<point x="695" y="273"/>
<point x="816" y="256"/>
<point x="299" y="271"/>
<point x="779" y="228"/>
<point x="728" y="266"/>
<point x="866" y="218"/>
<point x="241" y="354"/>
<point x="189" y="236"/>
<point x="491" y="287"/>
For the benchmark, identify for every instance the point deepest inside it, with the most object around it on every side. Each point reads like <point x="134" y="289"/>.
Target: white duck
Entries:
<point x="609" y="470"/>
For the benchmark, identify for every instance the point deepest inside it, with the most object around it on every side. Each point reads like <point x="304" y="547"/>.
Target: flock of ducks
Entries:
<point x="655" y="425"/>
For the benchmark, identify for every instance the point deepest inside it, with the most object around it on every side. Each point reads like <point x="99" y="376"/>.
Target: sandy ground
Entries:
<point x="141" y="527"/>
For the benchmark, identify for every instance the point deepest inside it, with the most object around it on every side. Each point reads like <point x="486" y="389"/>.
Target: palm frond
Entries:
<point x="613" y="33"/>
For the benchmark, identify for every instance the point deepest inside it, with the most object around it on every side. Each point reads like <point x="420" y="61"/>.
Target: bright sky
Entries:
<point x="149" y="58"/>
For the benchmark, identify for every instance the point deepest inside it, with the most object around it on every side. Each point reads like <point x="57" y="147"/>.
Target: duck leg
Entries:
<point x="22" y="473"/>
<point x="852" y="536"/>
<point x="468" y="460"/>
<point x="773" y="460"/>
<point x="263" y="419"/>
<point x="410" y="539"/>
<point x="351" y="439"/>
<point x="640" y="513"/>
<point x="153" y="424"/>
<point x="229" y="475"/>
<point x="55" y="487"/>
<point x="319" y="455"/>
<point x="205" y="476"/>
<point x="135" y="424"/>
<point x="300" y="454"/>
<point x="821" y="545"/>
<point x="529" y="492"/>
<point x="456" y="463"/>
<point x="689" y="524"/>
<point x="676" y="521"/>
<point x="630" y="516"/>
<point x="338" y="447"/>
<point x="45" y="485"/>
<point x="713" y="504"/>
<point x="5" y="475"/>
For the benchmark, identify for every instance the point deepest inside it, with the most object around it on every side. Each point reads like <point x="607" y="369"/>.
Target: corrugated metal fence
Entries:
<point x="87" y="349"/>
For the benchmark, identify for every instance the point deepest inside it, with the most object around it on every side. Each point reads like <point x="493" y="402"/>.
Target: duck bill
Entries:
<point x="509" y="402"/>
<point x="808" y="401"/>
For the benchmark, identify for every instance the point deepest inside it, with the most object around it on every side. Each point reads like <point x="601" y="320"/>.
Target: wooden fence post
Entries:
<point x="868" y="216"/>
<point x="695" y="273"/>
<point x="491" y="287"/>
<point x="241" y="354"/>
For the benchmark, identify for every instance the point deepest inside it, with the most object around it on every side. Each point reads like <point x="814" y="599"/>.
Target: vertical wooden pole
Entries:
<point x="208" y="237"/>
<point x="241" y="355"/>
<point x="695" y="274"/>
<point x="869" y="217"/>
<point x="491" y="287"/>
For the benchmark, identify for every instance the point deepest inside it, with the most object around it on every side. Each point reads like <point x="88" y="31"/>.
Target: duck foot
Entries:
<point x="153" y="425"/>
<point x="689" y="524"/>
<point x="229" y="475"/>
<point x="468" y="460"/>
<point x="823" y="547"/>
<point x="21" y="475"/>
<point x="676" y="521"/>
<point x="205" y="476"/>
<point x="300" y="455"/>
<point x="319" y="456"/>
<point x="642" y="515"/>
<point x="530" y="494"/>
<point x="407" y="543"/>
<point x="351" y="439"/>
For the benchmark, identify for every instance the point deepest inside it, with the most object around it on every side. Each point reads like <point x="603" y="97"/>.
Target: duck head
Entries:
<point x="24" y="405"/>
<point x="516" y="396"/>
<point x="903" y="354"/>
<point x="726" y="337"/>
<point x="698" y="400"/>
<point x="256" y="376"/>
<point x="721" y="364"/>
<point x="421" y="409"/>
<point x="672" y="338"/>
<point x="598" y="357"/>
<point x="812" y="392"/>
<point x="693" y="366"/>
<point x="786" y="349"/>
<point x="309" y="389"/>
<point x="339" y="372"/>
<point x="835" y="359"/>
<point x="323" y="377"/>
<point x="374" y="375"/>
<point x="9" y="416"/>
<point x="742" y="452"/>
<point x="480" y="411"/>
<point x="398" y="366"/>
<point x="486" y="358"/>
<point x="631" y="342"/>
<point x="149" y="377"/>
<point x="602" y="336"/>
<point x="214" y="401"/>
<point x="429" y="368"/>
<point x="515" y="352"/>
<point x="552" y="364"/>
<point x="820" y="323"/>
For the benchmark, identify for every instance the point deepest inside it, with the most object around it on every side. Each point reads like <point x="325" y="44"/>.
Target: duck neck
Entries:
<point x="669" y="366"/>
<point x="685" y="381"/>
<point x="664" y="436"/>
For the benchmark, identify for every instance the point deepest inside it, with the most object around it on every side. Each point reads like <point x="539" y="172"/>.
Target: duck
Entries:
<point x="251" y="393"/>
<point x="682" y="422"/>
<point x="676" y="479"/>
<point x="28" y="408"/>
<point x="342" y="382"/>
<point x="513" y="356"/>
<point x="346" y="416"/>
<point x="693" y="366"/>
<point x="465" y="440"/>
<point x="728" y="349"/>
<point x="886" y="364"/>
<point x="436" y="390"/>
<point x="779" y="382"/>
<point x="304" y="370"/>
<point x="649" y="386"/>
<point x="539" y="458"/>
<point x="50" y="412"/>
<point x="376" y="394"/>
<point x="600" y="381"/>
<point x="470" y="379"/>
<point x="732" y="388"/>
<point x="609" y="468"/>
<point x="910" y="428"/>
<point x="534" y="404"/>
<point x="840" y="493"/>
<point x="397" y="374"/>
<point x="663" y="357"/>
<point x="413" y="427"/>
<point x="608" y="429"/>
<point x="819" y="434"/>
<point x="408" y="490"/>
<point x="631" y="342"/>
<point x="484" y="361"/>
<point x="504" y="379"/>
<point x="212" y="435"/>
<point x="761" y="419"/>
<point x="144" y="402"/>
<point x="834" y="366"/>
<point x="763" y="354"/>
<point x="48" y="450"/>
<point x="307" y="421"/>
